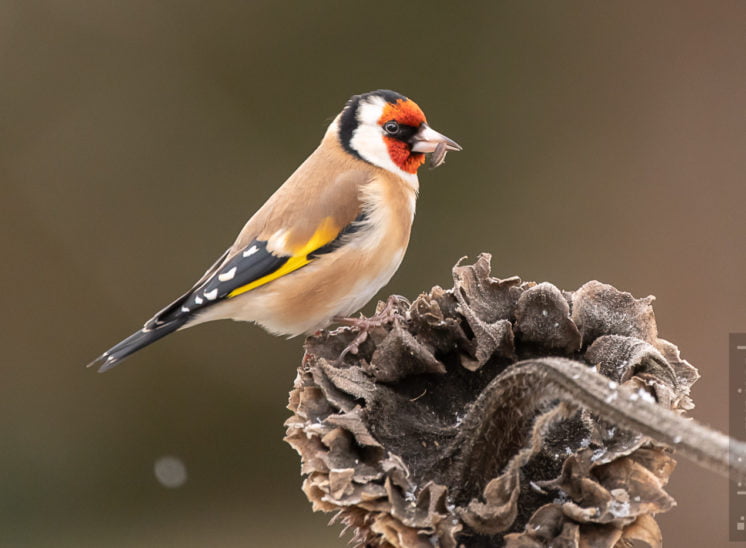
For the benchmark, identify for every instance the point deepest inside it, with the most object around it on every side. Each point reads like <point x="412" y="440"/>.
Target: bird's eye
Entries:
<point x="391" y="127"/>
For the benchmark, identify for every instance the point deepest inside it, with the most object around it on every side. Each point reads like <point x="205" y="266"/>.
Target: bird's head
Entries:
<point x="390" y="131"/>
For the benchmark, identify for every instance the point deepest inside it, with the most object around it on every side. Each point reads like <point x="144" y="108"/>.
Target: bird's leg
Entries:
<point x="354" y="346"/>
<point x="388" y="314"/>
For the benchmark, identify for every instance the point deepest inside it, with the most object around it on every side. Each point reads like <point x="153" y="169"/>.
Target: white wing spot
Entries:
<point x="249" y="252"/>
<point x="185" y="309"/>
<point x="225" y="276"/>
<point x="211" y="295"/>
<point x="198" y="299"/>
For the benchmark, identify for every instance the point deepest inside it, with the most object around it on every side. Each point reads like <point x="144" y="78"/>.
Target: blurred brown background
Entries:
<point x="601" y="140"/>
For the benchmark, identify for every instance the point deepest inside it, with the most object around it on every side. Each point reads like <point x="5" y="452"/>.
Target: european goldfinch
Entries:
<point x="327" y="240"/>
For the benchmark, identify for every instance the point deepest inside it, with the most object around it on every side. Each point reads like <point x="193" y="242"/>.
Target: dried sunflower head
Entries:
<point x="440" y="431"/>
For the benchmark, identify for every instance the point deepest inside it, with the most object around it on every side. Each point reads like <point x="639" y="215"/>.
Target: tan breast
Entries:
<point x="340" y="282"/>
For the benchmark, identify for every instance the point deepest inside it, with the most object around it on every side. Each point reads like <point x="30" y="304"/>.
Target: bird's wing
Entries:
<point x="294" y="227"/>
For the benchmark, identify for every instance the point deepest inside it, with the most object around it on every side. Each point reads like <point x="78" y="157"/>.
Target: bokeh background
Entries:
<point x="602" y="140"/>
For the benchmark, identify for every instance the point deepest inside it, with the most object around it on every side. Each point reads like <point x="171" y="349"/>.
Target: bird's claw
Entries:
<point x="388" y="314"/>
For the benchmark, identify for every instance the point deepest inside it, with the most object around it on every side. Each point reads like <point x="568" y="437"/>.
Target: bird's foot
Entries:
<point x="387" y="314"/>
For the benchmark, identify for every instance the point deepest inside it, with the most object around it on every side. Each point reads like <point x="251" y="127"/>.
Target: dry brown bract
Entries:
<point x="467" y="421"/>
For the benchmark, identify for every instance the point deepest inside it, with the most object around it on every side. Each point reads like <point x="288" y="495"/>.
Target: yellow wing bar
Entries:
<point x="326" y="233"/>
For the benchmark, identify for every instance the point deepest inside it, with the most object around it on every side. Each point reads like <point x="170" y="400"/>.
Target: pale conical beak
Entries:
<point x="427" y="140"/>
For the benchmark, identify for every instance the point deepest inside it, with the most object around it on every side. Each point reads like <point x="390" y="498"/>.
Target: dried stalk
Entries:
<point x="576" y="384"/>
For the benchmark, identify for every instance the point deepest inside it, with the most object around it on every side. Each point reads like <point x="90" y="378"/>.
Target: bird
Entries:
<point x="326" y="241"/>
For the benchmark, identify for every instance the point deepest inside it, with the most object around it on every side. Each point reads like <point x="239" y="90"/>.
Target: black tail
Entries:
<point x="135" y="342"/>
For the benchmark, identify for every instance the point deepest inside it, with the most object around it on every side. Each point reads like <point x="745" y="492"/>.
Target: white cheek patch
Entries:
<point x="368" y="138"/>
<point x="370" y="111"/>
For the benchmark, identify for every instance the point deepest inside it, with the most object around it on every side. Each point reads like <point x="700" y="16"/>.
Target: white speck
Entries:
<point x="634" y="396"/>
<point x="211" y="295"/>
<point x="677" y="439"/>
<point x="536" y="487"/>
<point x="198" y="299"/>
<point x="225" y="276"/>
<point x="185" y="309"/>
<point x="561" y="497"/>
<point x="170" y="472"/>
<point x="544" y="312"/>
<point x="249" y="252"/>
<point x="619" y="509"/>
<point x="611" y="397"/>
<point x="645" y="395"/>
<point x="556" y="324"/>
<point x="613" y="385"/>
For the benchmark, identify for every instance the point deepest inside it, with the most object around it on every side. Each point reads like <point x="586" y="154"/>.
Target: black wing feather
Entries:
<point x="173" y="310"/>
<point x="253" y="262"/>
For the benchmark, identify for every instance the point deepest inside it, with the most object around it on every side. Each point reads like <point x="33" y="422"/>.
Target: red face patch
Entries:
<point x="407" y="113"/>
